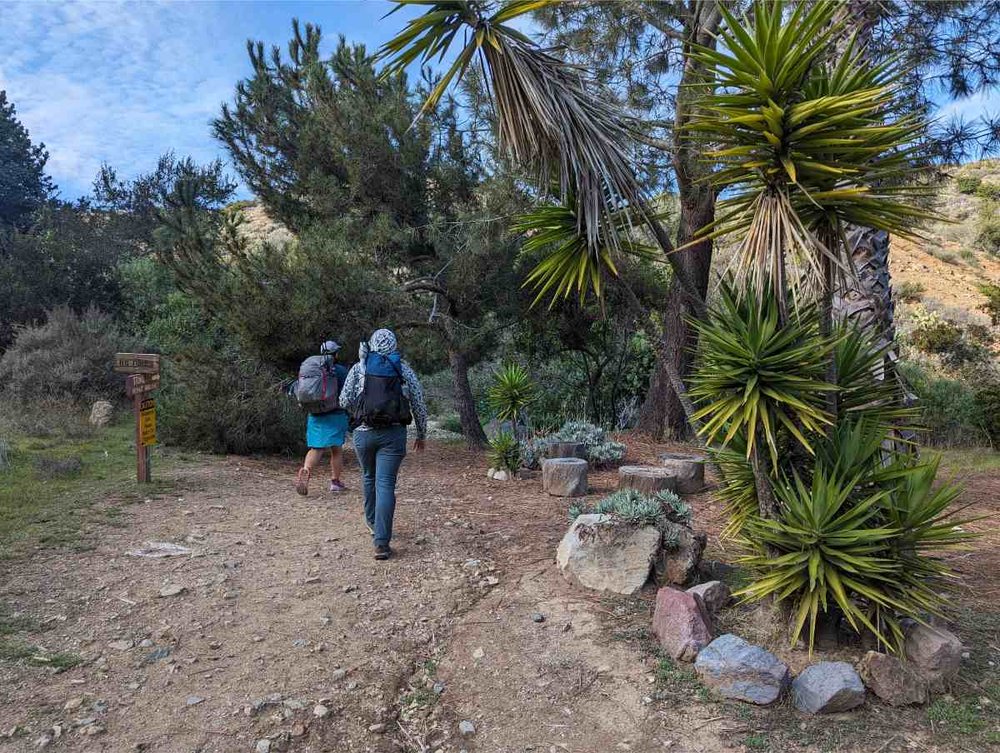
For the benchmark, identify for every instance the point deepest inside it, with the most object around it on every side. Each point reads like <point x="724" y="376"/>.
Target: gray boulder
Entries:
<point x="741" y="671"/>
<point x="689" y="470"/>
<point x="680" y="556"/>
<point x="715" y="594"/>
<point x="565" y="477"/>
<point x="936" y="653"/>
<point x="896" y="682"/>
<point x="600" y="553"/>
<point x="827" y="688"/>
<point x="681" y="624"/>
<point x="101" y="413"/>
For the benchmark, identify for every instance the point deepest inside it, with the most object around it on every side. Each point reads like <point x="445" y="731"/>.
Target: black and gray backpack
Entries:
<point x="318" y="388"/>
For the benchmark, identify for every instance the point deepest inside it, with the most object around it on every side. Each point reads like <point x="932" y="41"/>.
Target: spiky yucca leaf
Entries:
<point x="756" y="377"/>
<point x="550" y="118"/>
<point x="511" y="393"/>
<point x="830" y="141"/>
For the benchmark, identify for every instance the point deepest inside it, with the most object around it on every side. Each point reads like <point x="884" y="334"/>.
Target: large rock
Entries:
<point x="936" y="653"/>
<point x="101" y="413"/>
<point x="896" y="682"/>
<point x="678" y="561"/>
<point x="827" y="688"/>
<point x="741" y="671"/>
<point x="601" y="553"/>
<point x="689" y="470"/>
<point x="567" y="450"/>
<point x="646" y="479"/>
<point x="714" y="594"/>
<point x="681" y="623"/>
<point x="565" y="477"/>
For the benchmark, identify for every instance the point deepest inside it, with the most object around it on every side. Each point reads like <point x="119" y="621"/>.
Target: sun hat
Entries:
<point x="330" y="346"/>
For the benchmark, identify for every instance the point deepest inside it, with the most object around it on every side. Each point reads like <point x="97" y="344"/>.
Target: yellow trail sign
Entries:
<point x="147" y="422"/>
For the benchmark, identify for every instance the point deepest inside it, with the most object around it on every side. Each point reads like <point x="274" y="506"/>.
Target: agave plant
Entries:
<point x="504" y="452"/>
<point x="511" y="393"/>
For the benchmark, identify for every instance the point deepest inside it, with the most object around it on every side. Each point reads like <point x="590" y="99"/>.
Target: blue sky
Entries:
<point x="122" y="82"/>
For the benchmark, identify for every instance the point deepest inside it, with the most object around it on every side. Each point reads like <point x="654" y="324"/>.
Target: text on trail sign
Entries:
<point x="147" y="422"/>
<point x="137" y="363"/>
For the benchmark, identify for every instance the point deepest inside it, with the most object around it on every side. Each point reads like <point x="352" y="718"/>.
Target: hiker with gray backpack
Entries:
<point x="317" y="391"/>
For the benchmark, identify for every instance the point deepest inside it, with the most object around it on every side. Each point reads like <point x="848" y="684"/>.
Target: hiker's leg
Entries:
<point x="365" y="447"/>
<point x="336" y="463"/>
<point x="312" y="458"/>
<point x="391" y="451"/>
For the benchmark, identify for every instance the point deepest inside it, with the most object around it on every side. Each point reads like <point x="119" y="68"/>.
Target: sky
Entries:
<point x="123" y="82"/>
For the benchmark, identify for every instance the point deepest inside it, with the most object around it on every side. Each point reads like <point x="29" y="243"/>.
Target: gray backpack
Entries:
<point x="318" y="388"/>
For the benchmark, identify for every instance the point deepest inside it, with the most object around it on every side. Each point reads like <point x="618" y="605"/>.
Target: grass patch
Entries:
<point x="14" y="649"/>
<point x="49" y="491"/>
<point x="421" y="697"/>
<point x="757" y="742"/>
<point x="962" y="716"/>
<point x="970" y="460"/>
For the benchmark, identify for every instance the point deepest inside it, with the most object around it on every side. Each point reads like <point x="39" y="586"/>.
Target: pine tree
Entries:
<point x="24" y="186"/>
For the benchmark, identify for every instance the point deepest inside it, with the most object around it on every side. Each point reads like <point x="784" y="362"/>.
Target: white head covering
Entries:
<point x="382" y="341"/>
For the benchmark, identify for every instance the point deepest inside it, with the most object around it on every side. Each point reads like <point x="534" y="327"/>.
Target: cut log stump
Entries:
<point x="689" y="470"/>
<point x="567" y="450"/>
<point x="564" y="477"/>
<point x="647" y="479"/>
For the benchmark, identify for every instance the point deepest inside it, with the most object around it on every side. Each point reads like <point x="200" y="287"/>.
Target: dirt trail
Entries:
<point x="284" y="610"/>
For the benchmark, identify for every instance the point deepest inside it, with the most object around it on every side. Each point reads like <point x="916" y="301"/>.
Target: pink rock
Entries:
<point x="681" y="623"/>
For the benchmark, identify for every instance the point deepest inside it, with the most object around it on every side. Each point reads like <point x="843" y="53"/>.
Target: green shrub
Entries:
<point x="70" y="358"/>
<point x="988" y="400"/>
<point x="601" y="451"/>
<point x="504" y="452"/>
<point x="992" y="305"/>
<point x="911" y="291"/>
<point x="221" y="400"/>
<point x="968" y="184"/>
<point x="948" y="409"/>
<point x="451" y="423"/>
<point x="988" y="191"/>
<point x="988" y="235"/>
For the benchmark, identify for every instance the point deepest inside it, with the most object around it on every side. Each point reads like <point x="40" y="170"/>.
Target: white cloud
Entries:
<point x="971" y="107"/>
<point x="118" y="82"/>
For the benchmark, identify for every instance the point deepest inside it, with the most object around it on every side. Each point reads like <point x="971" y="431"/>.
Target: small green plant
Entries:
<point x="505" y="452"/>
<point x="511" y="393"/>
<point x="932" y="333"/>
<point x="988" y="191"/>
<point x="956" y="715"/>
<point x="911" y="291"/>
<point x="992" y="305"/>
<point x="968" y="184"/>
<point x="662" y="509"/>
<point x="988" y="235"/>
<point x="601" y="451"/>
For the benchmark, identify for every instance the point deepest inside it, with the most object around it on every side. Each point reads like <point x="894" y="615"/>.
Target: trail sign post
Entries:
<point x="143" y="371"/>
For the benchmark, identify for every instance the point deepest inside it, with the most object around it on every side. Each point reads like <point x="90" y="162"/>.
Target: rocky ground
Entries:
<point x="278" y="631"/>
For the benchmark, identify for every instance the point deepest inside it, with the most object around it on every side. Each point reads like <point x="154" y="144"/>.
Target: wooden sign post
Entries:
<point x="143" y="371"/>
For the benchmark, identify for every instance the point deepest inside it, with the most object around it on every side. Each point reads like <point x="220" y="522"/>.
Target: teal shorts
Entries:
<point x="326" y="430"/>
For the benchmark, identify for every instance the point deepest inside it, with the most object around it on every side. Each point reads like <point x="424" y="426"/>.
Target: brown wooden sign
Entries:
<point x="143" y="371"/>
<point x="137" y="363"/>
<point x="140" y="384"/>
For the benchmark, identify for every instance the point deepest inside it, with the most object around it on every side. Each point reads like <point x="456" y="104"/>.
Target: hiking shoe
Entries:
<point x="302" y="481"/>
<point x="336" y="486"/>
<point x="383" y="552"/>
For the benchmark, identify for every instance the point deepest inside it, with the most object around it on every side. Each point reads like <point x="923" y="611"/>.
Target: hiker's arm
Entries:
<point x="351" y="390"/>
<point x="417" y="404"/>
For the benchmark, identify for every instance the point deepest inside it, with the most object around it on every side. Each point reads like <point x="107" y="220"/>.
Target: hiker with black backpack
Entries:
<point x="318" y="393"/>
<point x="385" y="396"/>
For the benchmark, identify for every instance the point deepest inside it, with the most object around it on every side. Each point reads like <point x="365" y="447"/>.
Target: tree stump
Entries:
<point x="567" y="450"/>
<point x="564" y="477"/>
<point x="688" y="469"/>
<point x="647" y="479"/>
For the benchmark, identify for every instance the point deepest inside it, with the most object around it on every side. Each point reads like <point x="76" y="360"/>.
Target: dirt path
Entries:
<point x="287" y="635"/>
<point x="283" y="611"/>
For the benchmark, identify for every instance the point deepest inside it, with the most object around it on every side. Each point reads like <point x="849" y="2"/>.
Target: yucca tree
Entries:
<point x="805" y="146"/>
